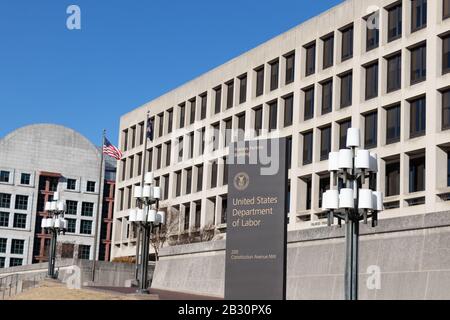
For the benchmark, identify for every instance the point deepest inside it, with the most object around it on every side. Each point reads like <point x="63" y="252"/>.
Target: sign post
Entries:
<point x="256" y="242"/>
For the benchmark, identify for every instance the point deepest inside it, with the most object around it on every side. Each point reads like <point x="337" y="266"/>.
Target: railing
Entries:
<point x="16" y="283"/>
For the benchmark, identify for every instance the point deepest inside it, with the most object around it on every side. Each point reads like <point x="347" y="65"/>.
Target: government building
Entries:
<point x="36" y="161"/>
<point x="379" y="65"/>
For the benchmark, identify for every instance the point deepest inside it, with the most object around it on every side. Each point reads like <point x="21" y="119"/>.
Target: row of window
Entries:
<point x="21" y="202"/>
<point x="17" y="246"/>
<point x="13" y="262"/>
<point x="5" y="177"/>
<point x="85" y="226"/>
<point x="87" y="208"/>
<point x="19" y="221"/>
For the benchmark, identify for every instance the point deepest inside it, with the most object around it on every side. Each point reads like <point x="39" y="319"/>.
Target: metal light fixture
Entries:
<point x="353" y="202"/>
<point x="54" y="224"/>
<point x="146" y="216"/>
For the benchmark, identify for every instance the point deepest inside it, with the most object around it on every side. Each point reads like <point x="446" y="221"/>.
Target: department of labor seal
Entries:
<point x="241" y="181"/>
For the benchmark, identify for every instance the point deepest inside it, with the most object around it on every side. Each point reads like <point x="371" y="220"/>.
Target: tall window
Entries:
<point x="180" y="148"/>
<point x="446" y="110"/>
<point x="188" y="180"/>
<point x="203" y="107"/>
<point x="393" y="124"/>
<point x="87" y="209"/>
<point x="417" y="173"/>
<point x="448" y="168"/>
<point x="290" y="68"/>
<point x="371" y="81"/>
<point x="289" y="152"/>
<point x="325" y="143"/>
<point x="3" y="245"/>
<point x="327" y="96"/>
<point x="446" y="9"/>
<point x="90" y="187"/>
<point x="218" y="99"/>
<point x="198" y="214"/>
<point x="243" y="88"/>
<point x="446" y="55"/>
<point x="310" y="59"/>
<point x="259" y="81"/>
<point x="328" y="51"/>
<point x="214" y="174"/>
<point x="193" y="106"/>
<point x="343" y="128"/>
<point x="4" y="219"/>
<point x="418" y="112"/>
<point x="86" y="227"/>
<point x="230" y="94"/>
<point x="158" y="157"/>
<point x="199" y="178"/>
<point x="17" y="246"/>
<point x="370" y="130"/>
<point x="347" y="43"/>
<point x="178" y="183"/>
<point x="168" y="153"/>
<point x="394" y="72"/>
<point x="273" y="116"/>
<point x="84" y="252"/>
<point x="393" y="178"/>
<point x="191" y="138"/>
<point x="258" y="120"/>
<point x="169" y="123"/>
<point x="228" y="131"/>
<point x="372" y="33"/>
<point x="346" y="89"/>
<point x="395" y="22"/>
<point x="21" y="202"/>
<point x="20" y="221"/>
<point x="182" y="115"/>
<point x="274" y="75"/>
<point x="307" y="147"/>
<point x="418" y="64"/>
<point x="288" y="110"/>
<point x="216" y="135"/>
<point x="309" y="103"/>
<point x="187" y="216"/>
<point x="418" y="14"/>
<point x="72" y="207"/>
<point x="241" y="127"/>
<point x="161" y="127"/>
<point x="324" y="185"/>
<point x="4" y="176"/>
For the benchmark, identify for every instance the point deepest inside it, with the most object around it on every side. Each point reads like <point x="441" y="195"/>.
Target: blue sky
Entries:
<point x="127" y="53"/>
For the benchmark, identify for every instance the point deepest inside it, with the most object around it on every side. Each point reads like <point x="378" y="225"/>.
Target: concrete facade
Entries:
<point x="35" y="161"/>
<point x="199" y="106"/>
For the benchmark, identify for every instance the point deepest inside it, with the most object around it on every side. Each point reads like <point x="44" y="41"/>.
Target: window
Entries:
<point x="289" y="152"/>
<point x="169" y="122"/>
<point x="71" y="184"/>
<point x="241" y="127"/>
<point x="182" y="115"/>
<point x="84" y="252"/>
<point x="307" y="147"/>
<point x="199" y="178"/>
<point x="192" y="113"/>
<point x="168" y="153"/>
<point x="225" y="171"/>
<point x="188" y="180"/>
<point x="274" y="75"/>
<point x="178" y="183"/>
<point x="15" y="262"/>
<point x="416" y="173"/>
<point x="446" y="110"/>
<point x="393" y="124"/>
<point x="158" y="157"/>
<point x="2" y="262"/>
<point x="20" y="221"/>
<point x="290" y="68"/>
<point x="394" y="72"/>
<point x="3" y="245"/>
<point x="324" y="185"/>
<point x="90" y="186"/>
<point x="71" y="207"/>
<point x="5" y="200"/>
<point x="198" y="212"/>
<point x="21" y="202"/>
<point x="230" y="94"/>
<point x="133" y="137"/>
<point x="346" y="89"/>
<point x="216" y="135"/>
<point x="161" y="124"/>
<point x="228" y="131"/>
<point x="273" y="119"/>
<point x="17" y="246"/>
<point x="325" y="143"/>
<point x="191" y="145"/>
<point x="448" y="168"/>
<point x="309" y="103"/>
<point x="86" y="227"/>
<point x="327" y="96"/>
<point x="418" y="14"/>
<point x="347" y="43"/>
<point x="71" y="225"/>
<point x="223" y="216"/>
<point x="202" y="133"/>
<point x="370" y="130"/>
<point x="372" y="31"/>
<point x="4" y="176"/>
<point x="394" y="22"/>
<point x="288" y="110"/>
<point x="87" y="209"/>
<point x="214" y="174"/>
<point x="446" y="9"/>
<point x="180" y="149"/>
<point x="259" y="81"/>
<point x="418" y="64"/>
<point x="371" y="81"/>
<point x="258" y="120"/>
<point x="343" y="128"/>
<point x="218" y="100"/>
<point x="418" y="111"/>
<point x="446" y="54"/>
<point x="203" y="101"/>
<point x="393" y="178"/>
<point x="243" y="88"/>
<point x="4" y="219"/>
<point x="310" y="59"/>
<point x="25" y="179"/>
<point x="328" y="51"/>
<point x="187" y="216"/>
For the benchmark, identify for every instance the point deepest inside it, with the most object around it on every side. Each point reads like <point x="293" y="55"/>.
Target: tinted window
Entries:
<point x="274" y="75"/>
<point x="258" y="120"/>
<point x="290" y="68"/>
<point x="418" y="64"/>
<point x="288" y="110"/>
<point x="327" y="96"/>
<point x="309" y="103"/>
<point x="394" y="72"/>
<point x="346" y="90"/>
<point x="310" y="59"/>
<point x="446" y="55"/>
<point x="393" y="124"/>
<point x="418" y="14"/>
<point x="343" y="128"/>
<point x="307" y="148"/>
<point x="395" y="22"/>
<point x="370" y="130"/>
<point x="347" y="43"/>
<point x="393" y="179"/>
<point x="417" y="174"/>
<point x="417" y="117"/>
<point x="446" y="110"/>
<point x="328" y="51"/>
<point x="273" y="109"/>
<point x="372" y="33"/>
<point x="243" y="89"/>
<point x="259" y="81"/>
<point x="372" y="81"/>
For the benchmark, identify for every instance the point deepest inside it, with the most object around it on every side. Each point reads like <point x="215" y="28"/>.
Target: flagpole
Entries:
<point x="99" y="204"/>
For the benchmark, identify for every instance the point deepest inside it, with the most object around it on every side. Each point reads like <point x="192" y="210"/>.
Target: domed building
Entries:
<point x="36" y="161"/>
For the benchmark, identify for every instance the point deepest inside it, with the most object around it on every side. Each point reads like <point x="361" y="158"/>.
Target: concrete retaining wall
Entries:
<point x="413" y="254"/>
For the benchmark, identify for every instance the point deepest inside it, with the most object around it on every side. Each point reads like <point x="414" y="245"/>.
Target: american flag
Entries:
<point x="111" y="150"/>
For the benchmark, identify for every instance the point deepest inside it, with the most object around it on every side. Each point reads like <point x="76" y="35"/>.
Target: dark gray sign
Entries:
<point x="255" y="266"/>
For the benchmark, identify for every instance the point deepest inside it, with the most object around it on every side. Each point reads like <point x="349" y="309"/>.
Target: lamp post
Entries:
<point x="54" y="224"/>
<point x="146" y="217"/>
<point x="352" y="201"/>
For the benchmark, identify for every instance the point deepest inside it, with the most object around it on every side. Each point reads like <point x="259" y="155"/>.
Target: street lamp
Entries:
<point x="146" y="216"/>
<point x="54" y="224"/>
<point x="353" y="201"/>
